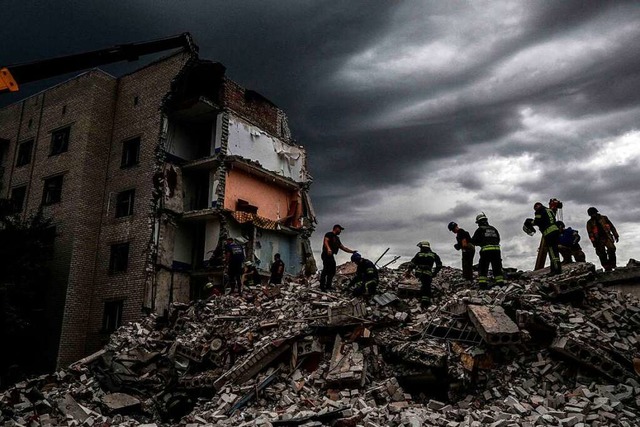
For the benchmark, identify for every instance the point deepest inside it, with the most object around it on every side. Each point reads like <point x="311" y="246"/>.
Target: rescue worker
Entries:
<point x="423" y="263"/>
<point x="545" y="219"/>
<point x="277" y="270"/>
<point x="568" y="245"/>
<point x="463" y="243"/>
<point x="602" y="234"/>
<point x="233" y="260"/>
<point x="331" y="244"/>
<point x="488" y="239"/>
<point x="365" y="281"/>
<point x="250" y="275"/>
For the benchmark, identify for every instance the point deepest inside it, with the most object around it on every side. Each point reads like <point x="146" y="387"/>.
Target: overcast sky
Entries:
<point x="413" y="113"/>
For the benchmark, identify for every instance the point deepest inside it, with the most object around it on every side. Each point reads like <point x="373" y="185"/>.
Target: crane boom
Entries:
<point x="12" y="76"/>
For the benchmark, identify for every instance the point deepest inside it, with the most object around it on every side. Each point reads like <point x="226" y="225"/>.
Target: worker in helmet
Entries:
<point x="488" y="239"/>
<point x="365" y="282"/>
<point x="603" y="236"/>
<point x="545" y="219"/>
<point x="568" y="244"/>
<point x="463" y="243"/>
<point x="423" y="263"/>
<point x="250" y="275"/>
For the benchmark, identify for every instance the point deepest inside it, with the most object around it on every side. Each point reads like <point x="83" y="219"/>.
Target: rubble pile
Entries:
<point x="559" y="350"/>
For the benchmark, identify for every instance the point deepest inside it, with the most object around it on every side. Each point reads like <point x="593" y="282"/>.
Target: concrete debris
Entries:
<point x="560" y="350"/>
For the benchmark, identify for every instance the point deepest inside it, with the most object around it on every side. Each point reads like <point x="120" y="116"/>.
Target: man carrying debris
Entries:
<point x="250" y="275"/>
<point x="545" y="219"/>
<point x="365" y="281"/>
<point x="463" y="243"/>
<point x="331" y="244"/>
<point x="233" y="260"/>
<point x="424" y="262"/>
<point x="277" y="270"/>
<point x="568" y="244"/>
<point x="488" y="238"/>
<point x="602" y="234"/>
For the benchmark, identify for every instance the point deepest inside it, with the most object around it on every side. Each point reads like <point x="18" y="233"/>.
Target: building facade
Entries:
<point x="144" y="176"/>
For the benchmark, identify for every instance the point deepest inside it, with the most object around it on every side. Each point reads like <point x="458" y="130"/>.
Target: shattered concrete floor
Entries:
<point x="559" y="350"/>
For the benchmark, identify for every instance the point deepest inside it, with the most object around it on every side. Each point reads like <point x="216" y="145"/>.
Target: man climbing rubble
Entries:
<point x="331" y="244"/>
<point x="365" y="282"/>
<point x="568" y="244"/>
<point x="423" y="263"/>
<point x="545" y="220"/>
<point x="463" y="243"/>
<point x="488" y="238"/>
<point x="603" y="236"/>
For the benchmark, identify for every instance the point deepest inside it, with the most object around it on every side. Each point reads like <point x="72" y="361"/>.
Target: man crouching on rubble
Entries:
<point x="366" y="280"/>
<point x="423" y="263"/>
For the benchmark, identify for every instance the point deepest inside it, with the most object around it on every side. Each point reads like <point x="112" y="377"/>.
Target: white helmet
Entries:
<point x="424" y="244"/>
<point x="481" y="217"/>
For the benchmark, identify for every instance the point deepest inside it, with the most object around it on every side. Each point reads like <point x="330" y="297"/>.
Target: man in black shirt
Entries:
<point x="277" y="270"/>
<point x="331" y="244"/>
<point x="463" y="243"/>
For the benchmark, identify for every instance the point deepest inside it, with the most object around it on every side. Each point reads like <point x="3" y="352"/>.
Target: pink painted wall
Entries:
<point x="269" y="198"/>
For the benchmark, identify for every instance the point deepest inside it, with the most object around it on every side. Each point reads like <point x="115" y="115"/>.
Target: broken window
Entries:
<point x="17" y="198"/>
<point x="119" y="259"/>
<point x="52" y="192"/>
<point x="60" y="141"/>
<point x="24" y="153"/>
<point x="124" y="203"/>
<point x="112" y="318"/>
<point x="130" y="152"/>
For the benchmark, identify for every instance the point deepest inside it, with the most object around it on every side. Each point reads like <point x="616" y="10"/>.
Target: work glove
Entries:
<point x="457" y="246"/>
<point x="617" y="239"/>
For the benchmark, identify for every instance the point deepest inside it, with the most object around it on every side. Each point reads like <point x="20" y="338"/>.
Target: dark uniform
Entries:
<point x="488" y="239"/>
<point x="545" y="219"/>
<point x="467" y="253"/>
<point x="234" y="258"/>
<point x="424" y="262"/>
<point x="277" y="270"/>
<point x="568" y="244"/>
<point x="365" y="281"/>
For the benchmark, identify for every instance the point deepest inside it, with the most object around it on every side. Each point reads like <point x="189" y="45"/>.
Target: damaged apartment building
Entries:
<point x="144" y="176"/>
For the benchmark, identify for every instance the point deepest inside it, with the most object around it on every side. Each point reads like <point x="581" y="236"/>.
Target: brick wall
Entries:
<point x="251" y="106"/>
<point x="142" y="119"/>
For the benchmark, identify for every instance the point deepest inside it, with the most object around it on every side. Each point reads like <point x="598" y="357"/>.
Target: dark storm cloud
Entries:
<point x="412" y="113"/>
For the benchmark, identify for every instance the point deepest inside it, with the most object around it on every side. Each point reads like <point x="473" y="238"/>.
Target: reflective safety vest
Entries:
<point x="424" y="262"/>
<point x="546" y="221"/>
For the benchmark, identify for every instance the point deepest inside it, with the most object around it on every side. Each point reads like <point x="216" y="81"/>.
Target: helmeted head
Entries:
<point x="356" y="257"/>
<point x="452" y="226"/>
<point x="592" y="211"/>
<point x="248" y="263"/>
<point x="424" y="244"/>
<point x="481" y="218"/>
<point x="208" y="286"/>
<point x="537" y="205"/>
<point x="560" y="224"/>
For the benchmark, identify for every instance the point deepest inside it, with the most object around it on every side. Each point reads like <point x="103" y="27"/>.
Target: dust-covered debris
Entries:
<point x="541" y="350"/>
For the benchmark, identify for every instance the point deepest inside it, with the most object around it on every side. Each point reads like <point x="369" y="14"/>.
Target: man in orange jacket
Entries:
<point x="603" y="236"/>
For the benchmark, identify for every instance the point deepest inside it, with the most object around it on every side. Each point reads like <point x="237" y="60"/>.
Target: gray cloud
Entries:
<point x="413" y="113"/>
